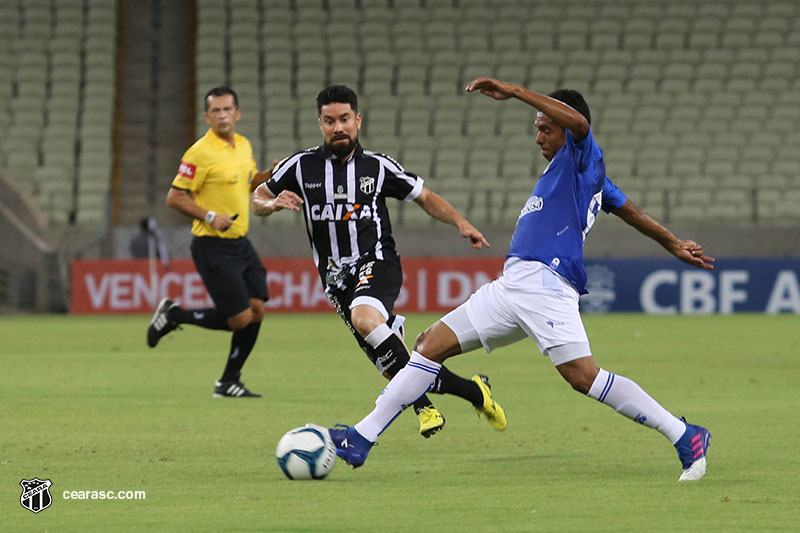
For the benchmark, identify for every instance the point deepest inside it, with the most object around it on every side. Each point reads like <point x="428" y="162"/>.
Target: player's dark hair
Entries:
<point x="575" y="100"/>
<point x="341" y="94"/>
<point x="221" y="91"/>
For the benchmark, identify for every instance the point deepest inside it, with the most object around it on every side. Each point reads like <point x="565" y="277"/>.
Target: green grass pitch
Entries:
<point x="87" y="405"/>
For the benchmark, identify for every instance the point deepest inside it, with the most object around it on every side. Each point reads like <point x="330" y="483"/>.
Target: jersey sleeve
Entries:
<point x="585" y="152"/>
<point x="191" y="172"/>
<point x="284" y="176"/>
<point x="397" y="183"/>
<point x="613" y="197"/>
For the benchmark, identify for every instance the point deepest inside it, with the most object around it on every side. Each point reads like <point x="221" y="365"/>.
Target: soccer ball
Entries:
<point x="306" y="453"/>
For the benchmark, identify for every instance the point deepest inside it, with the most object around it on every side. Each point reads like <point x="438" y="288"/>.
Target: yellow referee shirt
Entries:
<point x="219" y="175"/>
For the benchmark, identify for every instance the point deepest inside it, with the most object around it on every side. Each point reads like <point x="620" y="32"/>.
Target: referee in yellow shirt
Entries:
<point x="213" y="186"/>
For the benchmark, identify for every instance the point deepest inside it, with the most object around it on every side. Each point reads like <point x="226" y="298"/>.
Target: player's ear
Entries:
<point x="358" y="120"/>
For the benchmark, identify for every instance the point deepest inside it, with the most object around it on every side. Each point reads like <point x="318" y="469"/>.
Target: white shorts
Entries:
<point x="528" y="299"/>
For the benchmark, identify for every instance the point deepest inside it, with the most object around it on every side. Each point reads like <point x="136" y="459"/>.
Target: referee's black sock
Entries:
<point x="208" y="318"/>
<point x="242" y="343"/>
<point x="448" y="383"/>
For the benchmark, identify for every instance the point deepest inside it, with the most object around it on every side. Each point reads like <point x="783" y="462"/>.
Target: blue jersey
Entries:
<point x="562" y="207"/>
<point x="613" y="197"/>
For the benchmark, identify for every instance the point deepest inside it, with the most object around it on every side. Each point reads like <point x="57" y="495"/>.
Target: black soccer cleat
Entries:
<point x="233" y="389"/>
<point x="160" y="325"/>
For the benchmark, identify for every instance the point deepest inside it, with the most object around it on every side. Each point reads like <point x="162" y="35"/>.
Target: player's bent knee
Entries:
<point x="241" y="320"/>
<point x="257" y="310"/>
<point x="366" y="320"/>
<point x="437" y="343"/>
<point x="579" y="373"/>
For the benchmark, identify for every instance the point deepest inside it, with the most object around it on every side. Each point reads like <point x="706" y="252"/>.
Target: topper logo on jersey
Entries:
<point x="534" y="203"/>
<point x="187" y="170"/>
<point x="331" y="212"/>
<point x="366" y="184"/>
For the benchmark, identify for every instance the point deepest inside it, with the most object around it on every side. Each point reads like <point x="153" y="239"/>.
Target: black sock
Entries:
<point x="242" y="343"/>
<point x="422" y="404"/>
<point x="208" y="318"/>
<point x="448" y="383"/>
<point x="390" y="356"/>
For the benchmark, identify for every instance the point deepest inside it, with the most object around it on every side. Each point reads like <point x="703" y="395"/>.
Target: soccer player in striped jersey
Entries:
<point x="537" y="294"/>
<point x="341" y="189"/>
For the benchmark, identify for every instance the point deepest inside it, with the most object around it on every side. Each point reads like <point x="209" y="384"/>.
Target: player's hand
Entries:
<point x="287" y="200"/>
<point x="222" y="222"/>
<point x="476" y="238"/>
<point x="499" y="90"/>
<point x="692" y="253"/>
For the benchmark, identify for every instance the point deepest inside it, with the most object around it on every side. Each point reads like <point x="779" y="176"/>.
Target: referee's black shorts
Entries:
<point x="231" y="272"/>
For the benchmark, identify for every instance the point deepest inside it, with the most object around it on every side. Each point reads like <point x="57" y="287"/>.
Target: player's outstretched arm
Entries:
<point x="559" y="112"/>
<point x="264" y="203"/>
<point x="441" y="210"/>
<point x="687" y="251"/>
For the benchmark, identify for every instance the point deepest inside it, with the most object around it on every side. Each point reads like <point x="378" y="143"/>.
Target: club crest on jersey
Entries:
<point x="534" y="203"/>
<point x="366" y="184"/>
<point x="187" y="170"/>
<point x="35" y="494"/>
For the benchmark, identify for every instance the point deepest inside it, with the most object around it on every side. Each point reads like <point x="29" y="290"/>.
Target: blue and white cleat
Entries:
<point x="692" y="448"/>
<point x="350" y="445"/>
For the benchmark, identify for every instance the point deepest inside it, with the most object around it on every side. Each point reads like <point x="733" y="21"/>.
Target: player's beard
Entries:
<point x="342" y="150"/>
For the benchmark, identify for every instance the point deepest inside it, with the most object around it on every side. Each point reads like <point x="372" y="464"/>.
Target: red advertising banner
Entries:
<point x="129" y="286"/>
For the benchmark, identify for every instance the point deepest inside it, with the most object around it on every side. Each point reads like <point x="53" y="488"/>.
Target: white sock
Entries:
<point x="628" y="399"/>
<point x="410" y="383"/>
<point x="378" y="335"/>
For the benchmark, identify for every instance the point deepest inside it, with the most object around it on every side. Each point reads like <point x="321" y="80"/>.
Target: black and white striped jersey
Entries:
<point x="344" y="203"/>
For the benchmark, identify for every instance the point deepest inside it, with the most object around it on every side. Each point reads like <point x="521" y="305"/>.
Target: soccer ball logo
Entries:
<point x="306" y="453"/>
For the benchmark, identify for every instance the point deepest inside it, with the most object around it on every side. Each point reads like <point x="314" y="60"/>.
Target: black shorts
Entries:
<point x="377" y="283"/>
<point x="231" y="272"/>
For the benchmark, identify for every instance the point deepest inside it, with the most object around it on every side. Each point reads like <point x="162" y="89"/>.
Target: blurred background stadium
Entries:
<point x="696" y="105"/>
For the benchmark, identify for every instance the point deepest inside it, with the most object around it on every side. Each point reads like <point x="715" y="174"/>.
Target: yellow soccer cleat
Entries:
<point x="492" y="410"/>
<point x="431" y="421"/>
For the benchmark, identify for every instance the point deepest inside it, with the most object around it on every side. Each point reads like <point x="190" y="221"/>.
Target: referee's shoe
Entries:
<point x="233" y="389"/>
<point x="160" y="324"/>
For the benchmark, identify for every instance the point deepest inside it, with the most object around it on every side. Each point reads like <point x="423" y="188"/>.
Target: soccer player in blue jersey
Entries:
<point x="543" y="277"/>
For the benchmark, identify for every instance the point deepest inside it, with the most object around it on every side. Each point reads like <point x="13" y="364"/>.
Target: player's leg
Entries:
<point x="245" y="326"/>
<point x="250" y="288"/>
<point x="385" y="348"/>
<point x="553" y="320"/>
<point x="452" y="335"/>
<point x="620" y="393"/>
<point x="627" y="398"/>
<point x="412" y="381"/>
<point x="169" y="314"/>
<point x="377" y="288"/>
<point x="366" y="306"/>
